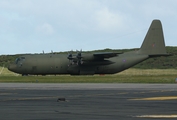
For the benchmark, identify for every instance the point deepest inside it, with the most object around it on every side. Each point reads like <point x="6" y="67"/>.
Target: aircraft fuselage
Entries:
<point x="43" y="64"/>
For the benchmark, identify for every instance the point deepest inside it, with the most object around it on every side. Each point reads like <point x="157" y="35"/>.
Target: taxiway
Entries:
<point x="25" y="101"/>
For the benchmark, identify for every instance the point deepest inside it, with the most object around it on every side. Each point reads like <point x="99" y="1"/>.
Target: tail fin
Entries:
<point x="153" y="44"/>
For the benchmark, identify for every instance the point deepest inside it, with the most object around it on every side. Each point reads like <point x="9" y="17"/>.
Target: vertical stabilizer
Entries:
<point x="153" y="43"/>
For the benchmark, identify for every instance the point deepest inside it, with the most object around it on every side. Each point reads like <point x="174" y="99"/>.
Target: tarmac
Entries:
<point x="36" y="101"/>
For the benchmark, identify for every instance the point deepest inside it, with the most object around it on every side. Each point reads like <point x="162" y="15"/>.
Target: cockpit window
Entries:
<point x="22" y="58"/>
<point x="19" y="59"/>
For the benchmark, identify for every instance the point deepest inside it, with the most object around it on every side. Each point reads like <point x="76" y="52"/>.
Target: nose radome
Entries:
<point x="11" y="67"/>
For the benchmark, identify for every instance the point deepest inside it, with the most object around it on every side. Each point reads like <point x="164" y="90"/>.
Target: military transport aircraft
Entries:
<point x="96" y="63"/>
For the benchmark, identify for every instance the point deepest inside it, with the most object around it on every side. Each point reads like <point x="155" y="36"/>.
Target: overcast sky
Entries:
<point x="31" y="26"/>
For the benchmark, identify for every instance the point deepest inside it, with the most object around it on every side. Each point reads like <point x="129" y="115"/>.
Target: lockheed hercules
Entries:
<point x="96" y="63"/>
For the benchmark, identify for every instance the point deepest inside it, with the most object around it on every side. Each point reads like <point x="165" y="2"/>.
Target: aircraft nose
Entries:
<point x="12" y="67"/>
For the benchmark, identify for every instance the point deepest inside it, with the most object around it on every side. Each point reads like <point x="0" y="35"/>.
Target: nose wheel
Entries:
<point x="24" y="74"/>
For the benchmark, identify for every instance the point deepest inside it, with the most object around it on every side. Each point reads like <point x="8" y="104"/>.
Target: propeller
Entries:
<point x="70" y="56"/>
<point x="75" y="59"/>
<point x="79" y="57"/>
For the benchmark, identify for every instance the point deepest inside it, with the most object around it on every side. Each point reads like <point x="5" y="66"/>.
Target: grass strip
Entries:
<point x="90" y="79"/>
<point x="128" y="76"/>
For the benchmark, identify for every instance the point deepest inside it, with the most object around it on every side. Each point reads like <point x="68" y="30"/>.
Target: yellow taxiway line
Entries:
<point x="158" y="98"/>
<point x="156" y="116"/>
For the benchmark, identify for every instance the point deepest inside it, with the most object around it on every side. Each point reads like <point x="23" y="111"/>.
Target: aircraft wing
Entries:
<point x="98" y="58"/>
<point x="106" y="54"/>
<point x="93" y="58"/>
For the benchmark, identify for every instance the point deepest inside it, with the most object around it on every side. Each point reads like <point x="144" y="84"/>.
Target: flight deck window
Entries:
<point x="17" y="60"/>
<point x="22" y="58"/>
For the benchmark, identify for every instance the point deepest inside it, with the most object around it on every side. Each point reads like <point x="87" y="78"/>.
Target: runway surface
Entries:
<point x="25" y="101"/>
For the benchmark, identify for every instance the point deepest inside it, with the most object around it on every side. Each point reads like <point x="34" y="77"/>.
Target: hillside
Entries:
<point x="153" y="63"/>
